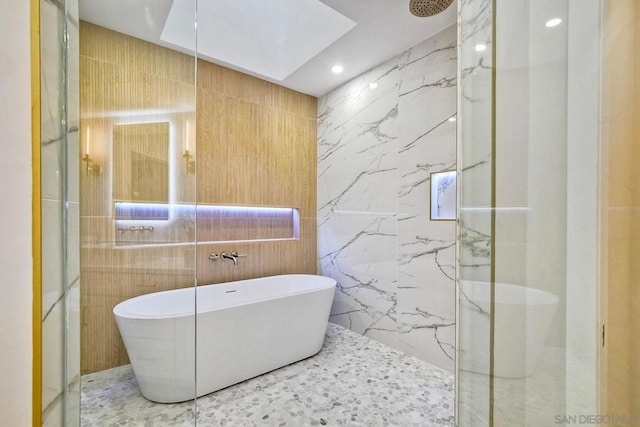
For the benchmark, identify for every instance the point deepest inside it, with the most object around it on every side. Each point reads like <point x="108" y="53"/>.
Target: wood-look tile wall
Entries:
<point x="255" y="145"/>
<point x="620" y="245"/>
<point x="225" y="226"/>
<point x="260" y="141"/>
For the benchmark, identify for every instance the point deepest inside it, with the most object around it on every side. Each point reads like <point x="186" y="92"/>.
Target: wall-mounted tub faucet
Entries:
<point x="233" y="256"/>
<point x="230" y="256"/>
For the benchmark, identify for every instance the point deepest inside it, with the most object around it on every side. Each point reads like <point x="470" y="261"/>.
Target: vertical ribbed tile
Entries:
<point x="254" y="144"/>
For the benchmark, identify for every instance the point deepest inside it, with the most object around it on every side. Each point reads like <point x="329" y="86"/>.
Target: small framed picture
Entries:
<point x="443" y="196"/>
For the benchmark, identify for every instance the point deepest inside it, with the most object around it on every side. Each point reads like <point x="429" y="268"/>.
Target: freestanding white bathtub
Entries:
<point x="243" y="329"/>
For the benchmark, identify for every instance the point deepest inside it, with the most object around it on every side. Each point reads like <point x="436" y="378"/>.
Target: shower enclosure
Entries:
<point x="133" y="213"/>
<point x="528" y="147"/>
<point x="118" y="177"/>
<point x="57" y="301"/>
<point x="138" y="129"/>
<point x="124" y="195"/>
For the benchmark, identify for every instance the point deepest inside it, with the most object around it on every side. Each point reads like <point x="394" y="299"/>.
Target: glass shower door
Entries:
<point x="528" y="221"/>
<point x="476" y="221"/>
<point x="137" y="213"/>
<point x="60" y="288"/>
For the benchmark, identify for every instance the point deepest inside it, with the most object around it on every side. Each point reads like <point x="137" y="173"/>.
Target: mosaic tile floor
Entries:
<point x="352" y="381"/>
<point x="533" y="401"/>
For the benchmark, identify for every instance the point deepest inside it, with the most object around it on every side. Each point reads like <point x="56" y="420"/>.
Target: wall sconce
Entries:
<point x="188" y="157"/>
<point x="91" y="167"/>
<point x="191" y="164"/>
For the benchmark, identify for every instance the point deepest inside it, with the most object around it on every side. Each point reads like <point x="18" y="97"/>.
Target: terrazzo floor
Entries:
<point x="532" y="401"/>
<point x="352" y="381"/>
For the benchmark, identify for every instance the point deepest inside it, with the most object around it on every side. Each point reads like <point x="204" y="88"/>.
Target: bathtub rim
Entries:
<point x="541" y="296"/>
<point x="120" y="309"/>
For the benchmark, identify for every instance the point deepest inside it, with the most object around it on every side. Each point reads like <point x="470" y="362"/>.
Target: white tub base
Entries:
<point x="243" y="329"/>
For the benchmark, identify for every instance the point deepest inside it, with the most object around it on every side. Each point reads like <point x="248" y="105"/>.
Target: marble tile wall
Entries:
<point x="380" y="136"/>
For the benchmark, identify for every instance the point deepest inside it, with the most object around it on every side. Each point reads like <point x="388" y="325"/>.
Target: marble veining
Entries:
<point x="352" y="381"/>
<point x="377" y="147"/>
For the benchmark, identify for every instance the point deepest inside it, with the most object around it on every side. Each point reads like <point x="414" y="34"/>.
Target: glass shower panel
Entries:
<point x="475" y="217"/>
<point x="72" y="232"/>
<point x="59" y="184"/>
<point x="528" y="356"/>
<point x="530" y="237"/>
<point x="137" y="194"/>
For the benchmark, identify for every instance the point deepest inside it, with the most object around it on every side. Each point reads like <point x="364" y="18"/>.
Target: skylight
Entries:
<point x="270" y="38"/>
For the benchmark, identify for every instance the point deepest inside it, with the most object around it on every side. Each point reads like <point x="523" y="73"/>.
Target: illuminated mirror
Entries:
<point x="141" y="162"/>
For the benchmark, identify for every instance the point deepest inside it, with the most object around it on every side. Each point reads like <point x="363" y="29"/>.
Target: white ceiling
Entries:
<point x="293" y="43"/>
<point x="271" y="38"/>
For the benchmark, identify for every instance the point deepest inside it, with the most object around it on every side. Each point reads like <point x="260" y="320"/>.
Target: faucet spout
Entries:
<point x="231" y="256"/>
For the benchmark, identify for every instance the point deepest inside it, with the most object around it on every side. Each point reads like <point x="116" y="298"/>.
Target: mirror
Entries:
<point x="141" y="162"/>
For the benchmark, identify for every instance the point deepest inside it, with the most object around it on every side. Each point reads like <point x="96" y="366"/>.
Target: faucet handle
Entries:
<point x="237" y="255"/>
<point x="214" y="256"/>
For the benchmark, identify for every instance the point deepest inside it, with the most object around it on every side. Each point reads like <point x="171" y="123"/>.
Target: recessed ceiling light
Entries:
<point x="452" y="119"/>
<point x="373" y="85"/>
<point x="337" y="69"/>
<point x="481" y="47"/>
<point x="553" y="22"/>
